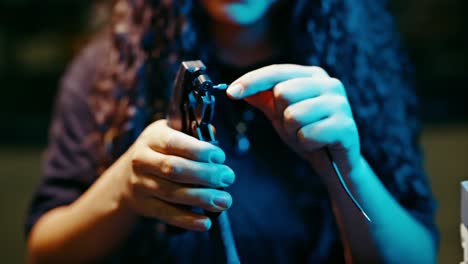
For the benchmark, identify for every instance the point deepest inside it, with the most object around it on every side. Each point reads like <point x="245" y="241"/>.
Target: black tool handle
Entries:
<point x="191" y="111"/>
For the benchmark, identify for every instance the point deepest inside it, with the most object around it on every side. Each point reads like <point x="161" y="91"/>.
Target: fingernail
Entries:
<point x="217" y="157"/>
<point x="235" y="90"/>
<point x="228" y="178"/>
<point x="223" y="201"/>
<point x="203" y="224"/>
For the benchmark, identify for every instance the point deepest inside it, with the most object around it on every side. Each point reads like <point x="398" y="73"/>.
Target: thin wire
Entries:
<point x="345" y="187"/>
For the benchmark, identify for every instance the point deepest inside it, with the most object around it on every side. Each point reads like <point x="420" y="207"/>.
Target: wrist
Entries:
<point x="122" y="197"/>
<point x="352" y="171"/>
<point x="112" y="184"/>
<point x="358" y="170"/>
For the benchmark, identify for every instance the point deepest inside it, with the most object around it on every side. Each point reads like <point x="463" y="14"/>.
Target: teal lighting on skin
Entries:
<point x="345" y="187"/>
<point x="247" y="12"/>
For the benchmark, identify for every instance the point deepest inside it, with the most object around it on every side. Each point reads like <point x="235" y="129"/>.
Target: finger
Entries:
<point x="212" y="200"/>
<point x="265" y="78"/>
<point x="311" y="110"/>
<point x="166" y="140"/>
<point x="181" y="170"/>
<point x="209" y="199"/>
<point x="295" y="90"/>
<point x="298" y="89"/>
<point x="175" y="215"/>
<point x="334" y="130"/>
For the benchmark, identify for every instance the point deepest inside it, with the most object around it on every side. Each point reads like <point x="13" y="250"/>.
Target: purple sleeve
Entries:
<point x="69" y="163"/>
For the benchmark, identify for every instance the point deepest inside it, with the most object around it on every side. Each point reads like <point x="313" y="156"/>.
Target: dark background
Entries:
<point x="39" y="38"/>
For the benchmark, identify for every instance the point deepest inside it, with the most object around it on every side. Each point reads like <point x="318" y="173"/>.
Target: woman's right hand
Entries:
<point x="166" y="170"/>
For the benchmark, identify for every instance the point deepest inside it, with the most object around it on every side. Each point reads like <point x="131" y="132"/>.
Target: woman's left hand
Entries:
<point x="308" y="108"/>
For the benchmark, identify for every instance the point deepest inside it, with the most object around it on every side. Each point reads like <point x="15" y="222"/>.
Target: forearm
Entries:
<point x="85" y="230"/>
<point x="393" y="236"/>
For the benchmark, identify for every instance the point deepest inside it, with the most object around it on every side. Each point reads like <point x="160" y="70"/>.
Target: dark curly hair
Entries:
<point x="354" y="40"/>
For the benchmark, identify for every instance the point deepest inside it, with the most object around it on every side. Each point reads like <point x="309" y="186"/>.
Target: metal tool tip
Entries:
<point x="221" y="86"/>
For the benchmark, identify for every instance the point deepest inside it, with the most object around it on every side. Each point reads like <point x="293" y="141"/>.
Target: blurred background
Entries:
<point x="39" y="38"/>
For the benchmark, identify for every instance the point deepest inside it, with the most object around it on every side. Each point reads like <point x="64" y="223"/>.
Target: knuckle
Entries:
<point x="279" y="92"/>
<point x="275" y="69"/>
<point x="346" y="129"/>
<point x="341" y="102"/>
<point x="152" y="185"/>
<point x="301" y="135"/>
<point x="134" y="182"/>
<point x="135" y="161"/>
<point x="319" y="71"/>
<point x="150" y="129"/>
<point x="289" y="117"/>
<point x="144" y="134"/>
<point x="171" y="141"/>
<point x="349" y="125"/>
<point x="168" y="169"/>
<point x="336" y="85"/>
<point x="157" y="124"/>
<point x="161" y="121"/>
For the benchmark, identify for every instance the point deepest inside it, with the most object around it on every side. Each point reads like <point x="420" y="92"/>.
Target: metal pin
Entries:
<point x="221" y="86"/>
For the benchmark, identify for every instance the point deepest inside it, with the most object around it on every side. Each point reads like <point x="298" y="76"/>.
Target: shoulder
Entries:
<point x="81" y="73"/>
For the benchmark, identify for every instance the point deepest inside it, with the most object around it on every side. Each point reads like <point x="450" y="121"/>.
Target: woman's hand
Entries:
<point x="308" y="109"/>
<point x="162" y="173"/>
<point x="165" y="170"/>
